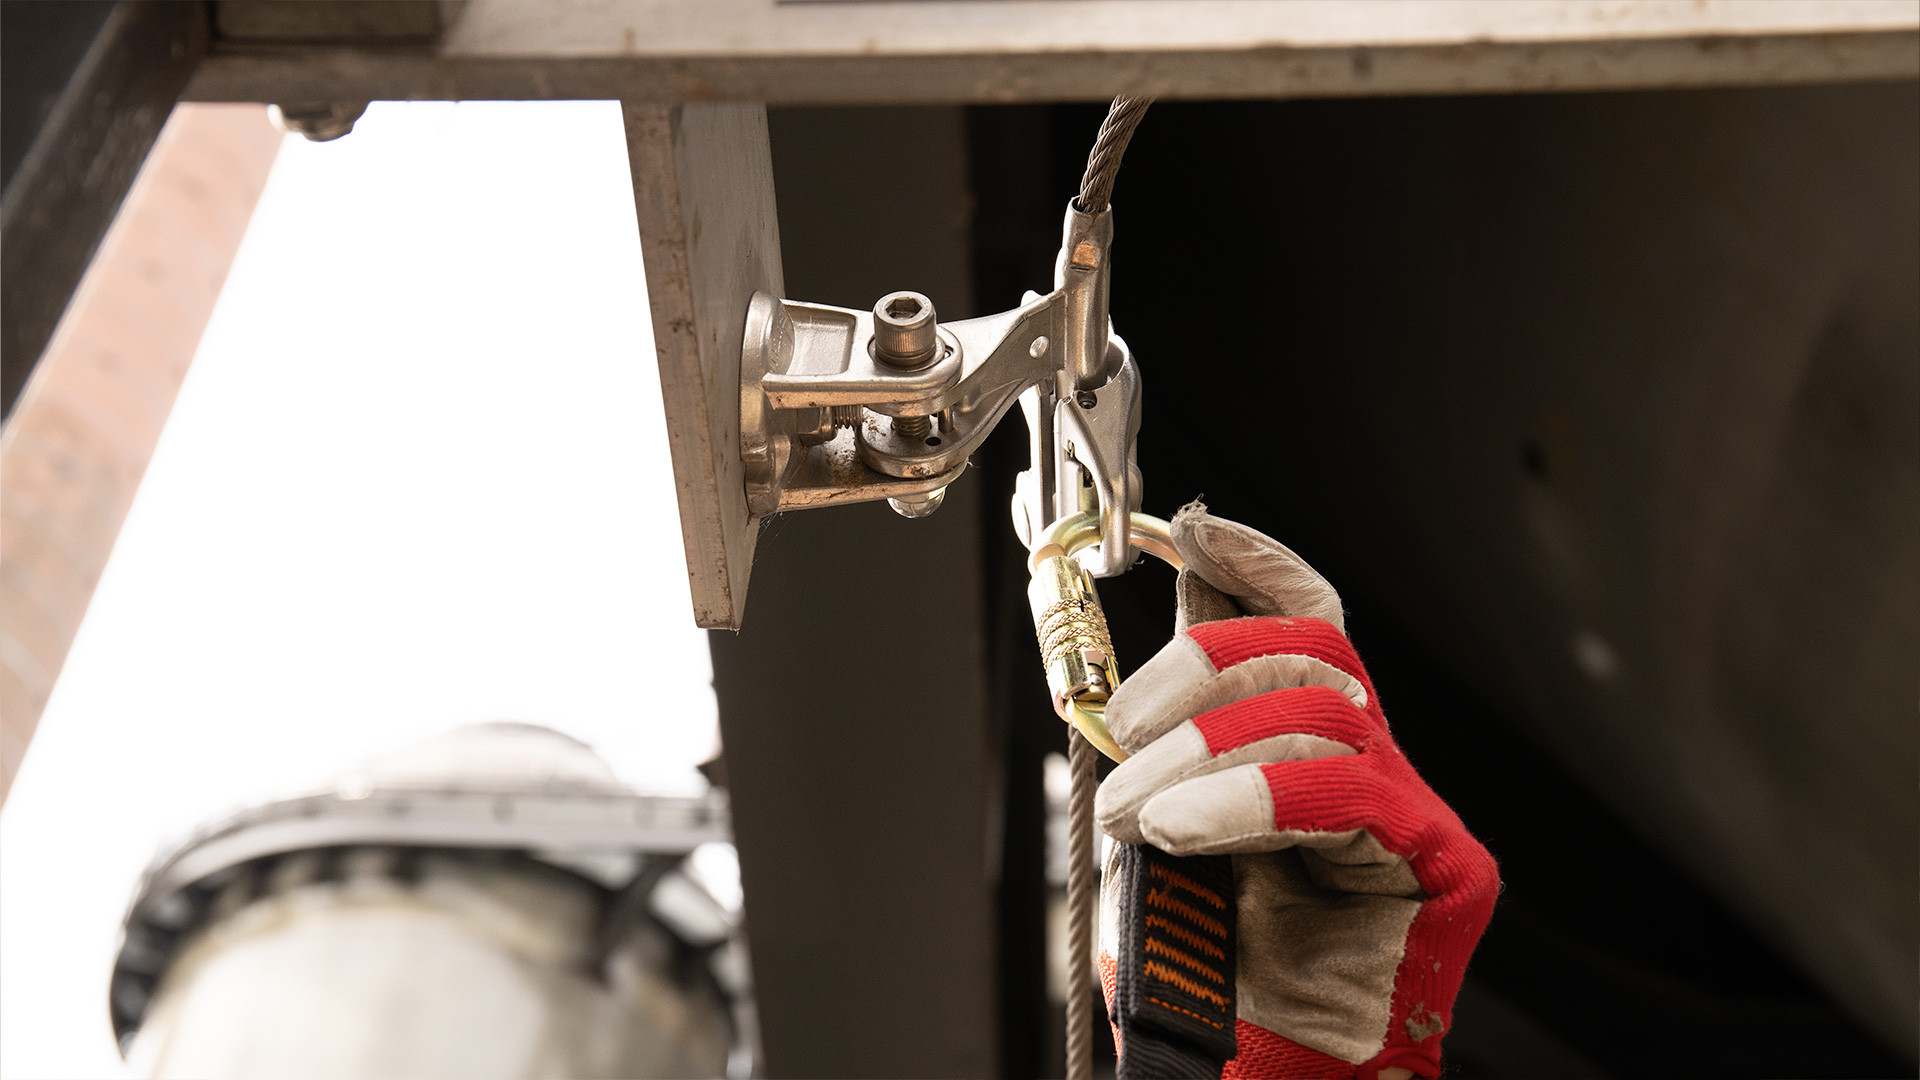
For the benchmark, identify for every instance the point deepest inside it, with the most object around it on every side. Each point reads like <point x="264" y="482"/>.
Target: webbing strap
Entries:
<point x="1173" y="1000"/>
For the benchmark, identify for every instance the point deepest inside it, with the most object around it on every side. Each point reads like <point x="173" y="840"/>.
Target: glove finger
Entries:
<point x="1195" y="601"/>
<point x="1368" y="819"/>
<point x="1226" y="812"/>
<point x="1258" y="572"/>
<point x="1323" y="802"/>
<point x="1284" y="725"/>
<point x="1182" y="681"/>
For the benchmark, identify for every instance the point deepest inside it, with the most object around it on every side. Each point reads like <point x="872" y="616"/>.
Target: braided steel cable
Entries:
<point x="1096" y="192"/>
<point x="1103" y="164"/>
<point x="1080" y="894"/>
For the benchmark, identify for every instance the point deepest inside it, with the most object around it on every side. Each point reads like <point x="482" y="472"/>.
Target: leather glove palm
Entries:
<point x="1256" y="733"/>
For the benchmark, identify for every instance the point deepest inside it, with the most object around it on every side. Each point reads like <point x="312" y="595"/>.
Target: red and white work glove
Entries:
<point x="1256" y="733"/>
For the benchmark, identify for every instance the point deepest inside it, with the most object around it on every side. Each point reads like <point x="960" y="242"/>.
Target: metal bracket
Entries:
<point x="841" y="406"/>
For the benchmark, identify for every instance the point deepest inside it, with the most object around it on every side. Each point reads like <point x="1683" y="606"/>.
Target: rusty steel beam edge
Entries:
<point x="82" y="161"/>
<point x="76" y="447"/>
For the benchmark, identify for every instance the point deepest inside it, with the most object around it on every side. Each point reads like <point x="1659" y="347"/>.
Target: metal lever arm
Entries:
<point x="839" y="405"/>
<point x="818" y="370"/>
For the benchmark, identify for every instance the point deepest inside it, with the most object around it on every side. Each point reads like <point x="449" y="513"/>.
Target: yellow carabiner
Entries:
<point x="1075" y="645"/>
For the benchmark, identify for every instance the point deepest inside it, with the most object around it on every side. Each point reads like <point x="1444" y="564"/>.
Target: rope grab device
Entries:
<point x="840" y="406"/>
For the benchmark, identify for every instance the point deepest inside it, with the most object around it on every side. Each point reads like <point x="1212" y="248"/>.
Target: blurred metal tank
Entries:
<point x="491" y="903"/>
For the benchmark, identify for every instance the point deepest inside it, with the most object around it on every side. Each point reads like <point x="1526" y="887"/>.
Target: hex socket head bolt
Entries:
<point x="905" y="331"/>
<point x="906" y="336"/>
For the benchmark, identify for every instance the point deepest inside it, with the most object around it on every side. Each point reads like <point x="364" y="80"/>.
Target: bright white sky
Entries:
<point x="417" y="477"/>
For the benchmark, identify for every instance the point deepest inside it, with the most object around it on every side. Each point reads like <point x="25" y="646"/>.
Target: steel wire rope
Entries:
<point x="1081" y="757"/>
<point x="1096" y="192"/>
<point x="1103" y="164"/>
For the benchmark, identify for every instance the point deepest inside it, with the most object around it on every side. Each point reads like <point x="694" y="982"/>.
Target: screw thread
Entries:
<point x="913" y="427"/>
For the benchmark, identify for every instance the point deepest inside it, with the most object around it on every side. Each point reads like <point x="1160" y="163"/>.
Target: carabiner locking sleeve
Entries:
<point x="1075" y="644"/>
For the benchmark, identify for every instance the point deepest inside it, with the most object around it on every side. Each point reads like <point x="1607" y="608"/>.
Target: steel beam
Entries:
<point x="100" y="117"/>
<point x="703" y="188"/>
<point x="860" y="748"/>
<point x="73" y="453"/>
<point x="953" y="51"/>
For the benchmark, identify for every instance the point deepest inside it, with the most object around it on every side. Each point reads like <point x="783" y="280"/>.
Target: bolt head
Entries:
<point x="318" y="121"/>
<point x="904" y="330"/>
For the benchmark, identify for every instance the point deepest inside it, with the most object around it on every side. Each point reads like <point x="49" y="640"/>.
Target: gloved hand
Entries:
<point x="1256" y="733"/>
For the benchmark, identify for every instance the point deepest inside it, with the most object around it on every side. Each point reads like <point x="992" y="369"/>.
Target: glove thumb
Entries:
<point x="1232" y="571"/>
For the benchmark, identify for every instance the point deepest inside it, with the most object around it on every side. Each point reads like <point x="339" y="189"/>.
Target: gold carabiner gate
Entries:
<point x="1075" y="644"/>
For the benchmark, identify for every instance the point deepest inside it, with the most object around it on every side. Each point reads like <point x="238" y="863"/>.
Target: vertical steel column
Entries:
<point x="853" y="703"/>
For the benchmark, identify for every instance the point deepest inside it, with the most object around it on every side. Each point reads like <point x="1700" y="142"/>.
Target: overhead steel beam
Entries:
<point x="90" y="125"/>
<point x="335" y="22"/>
<point x="954" y="51"/>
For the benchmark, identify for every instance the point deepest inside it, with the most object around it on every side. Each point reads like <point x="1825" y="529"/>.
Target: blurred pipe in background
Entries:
<point x="74" y="450"/>
<point x="493" y="904"/>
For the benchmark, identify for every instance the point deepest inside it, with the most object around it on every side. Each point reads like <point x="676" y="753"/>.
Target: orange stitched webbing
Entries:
<point x="1168" y="901"/>
<point x="1155" y="945"/>
<point x="1182" y="881"/>
<point x="1173" y="978"/>
<point x="1186" y="936"/>
<point x="1189" y="1012"/>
